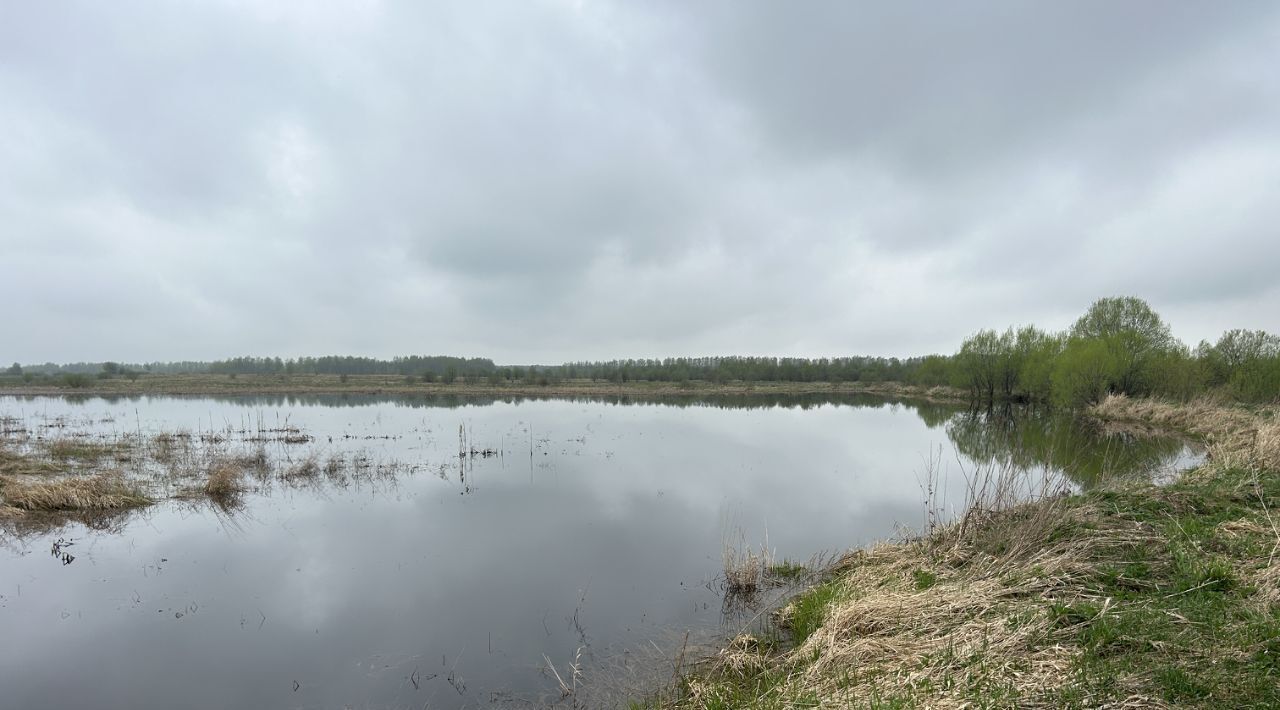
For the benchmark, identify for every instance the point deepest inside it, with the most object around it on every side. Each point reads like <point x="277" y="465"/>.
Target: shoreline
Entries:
<point x="374" y="385"/>
<point x="1131" y="595"/>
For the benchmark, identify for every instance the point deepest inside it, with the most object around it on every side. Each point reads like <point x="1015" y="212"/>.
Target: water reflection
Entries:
<point x="1037" y="439"/>
<point x="929" y="411"/>
<point x="507" y="531"/>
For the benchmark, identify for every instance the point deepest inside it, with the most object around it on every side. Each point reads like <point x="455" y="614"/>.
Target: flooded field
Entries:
<point x="458" y="553"/>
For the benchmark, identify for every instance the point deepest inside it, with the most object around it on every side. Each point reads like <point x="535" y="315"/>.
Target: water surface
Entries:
<point x="594" y="531"/>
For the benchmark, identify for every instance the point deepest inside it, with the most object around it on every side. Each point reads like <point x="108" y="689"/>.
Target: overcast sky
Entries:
<point x="552" y="180"/>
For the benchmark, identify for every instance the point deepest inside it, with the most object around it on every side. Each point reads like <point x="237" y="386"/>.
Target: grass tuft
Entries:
<point x="104" y="491"/>
<point x="744" y="568"/>
<point x="225" y="482"/>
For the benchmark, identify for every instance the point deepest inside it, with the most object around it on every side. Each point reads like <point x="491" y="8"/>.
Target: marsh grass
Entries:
<point x="103" y="491"/>
<point x="225" y="482"/>
<point x="168" y="447"/>
<point x="86" y="450"/>
<point x="743" y="567"/>
<point x="305" y="469"/>
<point x="91" y="477"/>
<point x="786" y="570"/>
<point x="16" y="464"/>
<point x="1133" y="595"/>
<point x="1248" y="438"/>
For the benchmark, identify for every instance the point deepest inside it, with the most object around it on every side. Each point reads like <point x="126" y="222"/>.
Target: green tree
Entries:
<point x="1247" y="362"/>
<point x="978" y="365"/>
<point x="1083" y="374"/>
<point x="1174" y="373"/>
<point x="14" y="369"/>
<point x="76" y="380"/>
<point x="1239" y="347"/>
<point x="934" y="370"/>
<point x="1132" y="333"/>
<point x="1039" y="351"/>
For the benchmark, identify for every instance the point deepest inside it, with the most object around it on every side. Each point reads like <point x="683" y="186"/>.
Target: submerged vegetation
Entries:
<point x="1132" y="595"/>
<point x="72" y="473"/>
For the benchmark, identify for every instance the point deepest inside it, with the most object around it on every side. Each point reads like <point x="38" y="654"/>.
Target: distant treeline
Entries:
<point x="93" y="368"/>
<point x="447" y="369"/>
<point x="1119" y="346"/>
<point x="712" y="369"/>
<point x="742" y="369"/>
<point x="438" y="365"/>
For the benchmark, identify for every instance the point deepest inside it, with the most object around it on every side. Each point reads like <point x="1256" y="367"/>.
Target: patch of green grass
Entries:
<point x="924" y="579"/>
<point x="1126" y="580"/>
<point x="1178" y="685"/>
<point x="1064" y="615"/>
<point x="786" y="569"/>
<point x="1177" y="622"/>
<point x="809" y="610"/>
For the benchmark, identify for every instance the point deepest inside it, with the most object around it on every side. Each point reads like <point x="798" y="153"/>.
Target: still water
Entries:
<point x="586" y="530"/>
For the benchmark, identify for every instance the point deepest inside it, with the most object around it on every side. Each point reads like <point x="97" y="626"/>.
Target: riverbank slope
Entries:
<point x="1132" y="595"/>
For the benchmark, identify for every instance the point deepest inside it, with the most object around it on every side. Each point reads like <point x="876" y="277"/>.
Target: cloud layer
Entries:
<point x="542" y="181"/>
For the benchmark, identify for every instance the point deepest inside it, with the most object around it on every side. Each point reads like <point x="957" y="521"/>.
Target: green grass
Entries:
<point x="924" y="579"/>
<point x="808" y="611"/>
<point x="1183" y="625"/>
<point x="786" y="570"/>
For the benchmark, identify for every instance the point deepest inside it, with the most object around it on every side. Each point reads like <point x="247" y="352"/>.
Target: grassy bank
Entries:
<point x="1128" y="596"/>
<point x="227" y="385"/>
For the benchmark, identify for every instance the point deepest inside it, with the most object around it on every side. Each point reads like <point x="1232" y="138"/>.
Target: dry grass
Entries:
<point x="225" y="481"/>
<point x="929" y="618"/>
<point x="744" y="567"/>
<point x="213" y="466"/>
<point x="961" y="615"/>
<point x="957" y="619"/>
<point x="104" y="491"/>
<point x="167" y="448"/>
<point x="304" y="470"/>
<point x="1235" y="436"/>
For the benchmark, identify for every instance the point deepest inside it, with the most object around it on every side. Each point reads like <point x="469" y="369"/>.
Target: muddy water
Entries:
<point x="590" y="531"/>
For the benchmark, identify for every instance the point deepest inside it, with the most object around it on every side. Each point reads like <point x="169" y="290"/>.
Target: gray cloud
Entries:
<point x="554" y="180"/>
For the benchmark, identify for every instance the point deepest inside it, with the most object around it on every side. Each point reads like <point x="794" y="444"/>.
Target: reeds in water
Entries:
<point x="103" y="491"/>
